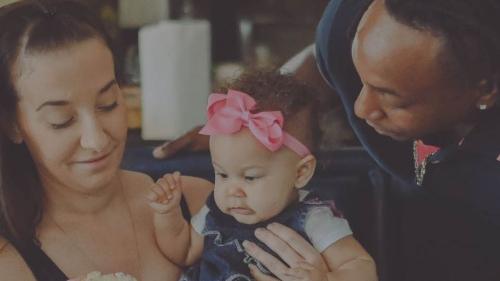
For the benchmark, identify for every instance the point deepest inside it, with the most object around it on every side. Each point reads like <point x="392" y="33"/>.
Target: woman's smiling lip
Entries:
<point x="96" y="159"/>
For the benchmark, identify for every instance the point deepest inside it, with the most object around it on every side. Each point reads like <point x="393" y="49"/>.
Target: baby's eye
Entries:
<point x="222" y="175"/>
<point x="250" y="178"/>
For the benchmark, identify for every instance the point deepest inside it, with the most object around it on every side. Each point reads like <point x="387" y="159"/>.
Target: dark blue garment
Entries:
<point x="449" y="228"/>
<point x="224" y="258"/>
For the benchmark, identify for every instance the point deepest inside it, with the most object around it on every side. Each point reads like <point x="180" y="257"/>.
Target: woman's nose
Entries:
<point x="367" y="106"/>
<point x="93" y="135"/>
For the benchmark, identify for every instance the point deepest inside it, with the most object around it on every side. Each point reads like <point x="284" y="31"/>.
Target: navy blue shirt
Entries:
<point x="448" y="229"/>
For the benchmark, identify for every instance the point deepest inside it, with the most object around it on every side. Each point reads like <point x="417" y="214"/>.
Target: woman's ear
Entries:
<point x="305" y="170"/>
<point x="14" y="134"/>
<point x="488" y="94"/>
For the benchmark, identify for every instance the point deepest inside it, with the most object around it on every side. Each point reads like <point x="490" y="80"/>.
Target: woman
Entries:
<point x="410" y="72"/>
<point x="66" y="208"/>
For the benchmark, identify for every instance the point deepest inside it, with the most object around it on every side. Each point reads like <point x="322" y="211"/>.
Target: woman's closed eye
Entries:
<point x="107" y="108"/>
<point x="62" y="125"/>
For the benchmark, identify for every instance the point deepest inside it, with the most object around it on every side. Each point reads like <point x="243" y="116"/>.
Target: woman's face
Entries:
<point x="71" y="114"/>
<point x="405" y="94"/>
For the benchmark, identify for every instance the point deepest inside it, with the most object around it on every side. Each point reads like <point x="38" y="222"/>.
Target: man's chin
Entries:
<point x="399" y="137"/>
<point x="392" y="135"/>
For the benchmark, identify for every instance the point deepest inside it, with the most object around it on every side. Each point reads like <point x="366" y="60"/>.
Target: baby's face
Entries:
<point x="252" y="184"/>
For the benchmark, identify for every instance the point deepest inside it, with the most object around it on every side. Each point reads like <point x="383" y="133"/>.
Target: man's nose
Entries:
<point x="367" y="106"/>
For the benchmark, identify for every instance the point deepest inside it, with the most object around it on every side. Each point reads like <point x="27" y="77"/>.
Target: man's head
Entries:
<point x="417" y="77"/>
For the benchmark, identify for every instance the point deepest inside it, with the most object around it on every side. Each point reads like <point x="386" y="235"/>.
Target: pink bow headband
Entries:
<point x="228" y="114"/>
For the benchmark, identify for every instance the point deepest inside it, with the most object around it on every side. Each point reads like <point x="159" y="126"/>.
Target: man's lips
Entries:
<point x="378" y="129"/>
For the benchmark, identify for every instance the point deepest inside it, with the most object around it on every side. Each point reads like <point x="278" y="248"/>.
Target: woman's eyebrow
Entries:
<point x="53" y="103"/>
<point x="107" y="86"/>
<point x="64" y="102"/>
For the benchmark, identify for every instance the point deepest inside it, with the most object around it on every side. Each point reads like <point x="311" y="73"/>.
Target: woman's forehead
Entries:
<point x="61" y="73"/>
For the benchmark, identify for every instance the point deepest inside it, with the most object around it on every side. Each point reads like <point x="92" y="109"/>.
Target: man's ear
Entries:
<point x="488" y="94"/>
<point x="305" y="170"/>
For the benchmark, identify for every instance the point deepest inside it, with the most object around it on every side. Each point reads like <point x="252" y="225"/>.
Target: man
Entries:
<point x="413" y="72"/>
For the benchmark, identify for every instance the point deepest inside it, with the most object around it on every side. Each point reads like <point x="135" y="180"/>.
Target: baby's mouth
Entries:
<point x="240" y="211"/>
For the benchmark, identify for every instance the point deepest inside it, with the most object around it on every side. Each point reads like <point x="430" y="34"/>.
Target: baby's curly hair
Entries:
<point x="297" y="101"/>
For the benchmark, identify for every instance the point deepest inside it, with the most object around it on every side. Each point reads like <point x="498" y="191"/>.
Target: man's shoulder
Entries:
<point x="12" y="265"/>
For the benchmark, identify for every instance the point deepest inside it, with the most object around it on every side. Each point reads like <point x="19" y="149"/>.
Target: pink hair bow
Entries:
<point x="228" y="114"/>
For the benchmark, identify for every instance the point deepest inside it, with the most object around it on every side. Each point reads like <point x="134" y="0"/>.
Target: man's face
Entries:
<point x="405" y="94"/>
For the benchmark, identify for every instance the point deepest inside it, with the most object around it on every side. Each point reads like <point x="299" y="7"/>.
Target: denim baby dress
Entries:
<point x="225" y="259"/>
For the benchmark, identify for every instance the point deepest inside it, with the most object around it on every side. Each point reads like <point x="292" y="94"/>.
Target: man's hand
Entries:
<point x="190" y="141"/>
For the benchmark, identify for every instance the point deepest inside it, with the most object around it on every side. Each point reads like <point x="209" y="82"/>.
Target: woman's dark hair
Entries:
<point x="273" y="91"/>
<point x="31" y="27"/>
<point x="470" y="29"/>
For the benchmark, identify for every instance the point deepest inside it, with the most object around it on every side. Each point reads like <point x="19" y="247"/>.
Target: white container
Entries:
<point x="175" y="61"/>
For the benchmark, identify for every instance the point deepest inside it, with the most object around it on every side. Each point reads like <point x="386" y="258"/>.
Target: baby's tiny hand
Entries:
<point x="166" y="193"/>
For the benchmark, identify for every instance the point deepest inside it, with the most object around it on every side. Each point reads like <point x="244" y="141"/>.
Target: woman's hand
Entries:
<point x="302" y="261"/>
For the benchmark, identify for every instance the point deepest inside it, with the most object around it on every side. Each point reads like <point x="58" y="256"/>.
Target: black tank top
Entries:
<point x="44" y="269"/>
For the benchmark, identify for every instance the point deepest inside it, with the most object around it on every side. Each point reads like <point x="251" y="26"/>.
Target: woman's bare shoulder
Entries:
<point x="195" y="191"/>
<point x="12" y="266"/>
<point x="136" y="182"/>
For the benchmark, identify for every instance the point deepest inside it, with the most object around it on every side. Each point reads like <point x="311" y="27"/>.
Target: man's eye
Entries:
<point x="62" y="125"/>
<point x="107" y="108"/>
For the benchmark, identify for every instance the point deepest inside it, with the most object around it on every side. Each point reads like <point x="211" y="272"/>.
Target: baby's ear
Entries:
<point x="305" y="170"/>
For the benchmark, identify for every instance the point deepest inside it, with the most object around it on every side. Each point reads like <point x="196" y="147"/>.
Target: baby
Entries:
<point x="262" y="131"/>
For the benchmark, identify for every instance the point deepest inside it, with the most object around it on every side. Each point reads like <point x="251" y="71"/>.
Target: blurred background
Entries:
<point x="172" y="53"/>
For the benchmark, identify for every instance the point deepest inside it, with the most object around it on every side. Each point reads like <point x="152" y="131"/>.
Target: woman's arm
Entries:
<point x="196" y="191"/>
<point x="12" y="265"/>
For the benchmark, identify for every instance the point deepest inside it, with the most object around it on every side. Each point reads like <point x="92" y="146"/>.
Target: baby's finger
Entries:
<point x="151" y="196"/>
<point x="177" y="178"/>
<point x="160" y="193"/>
<point x="167" y="190"/>
<point x="170" y="181"/>
<point x="160" y="208"/>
